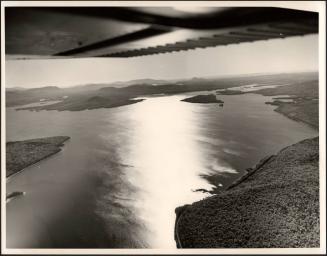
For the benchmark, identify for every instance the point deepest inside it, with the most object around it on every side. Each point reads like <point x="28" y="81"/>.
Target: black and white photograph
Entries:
<point x="167" y="127"/>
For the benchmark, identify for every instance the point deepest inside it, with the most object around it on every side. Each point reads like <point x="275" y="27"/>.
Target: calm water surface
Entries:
<point x="140" y="162"/>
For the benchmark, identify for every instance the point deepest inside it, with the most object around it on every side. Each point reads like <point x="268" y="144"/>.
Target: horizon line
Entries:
<point x="171" y="79"/>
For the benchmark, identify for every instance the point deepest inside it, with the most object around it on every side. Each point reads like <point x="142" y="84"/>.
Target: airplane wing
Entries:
<point x="60" y="32"/>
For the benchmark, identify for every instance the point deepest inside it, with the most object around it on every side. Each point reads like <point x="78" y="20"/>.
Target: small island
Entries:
<point x="21" y="154"/>
<point x="210" y="98"/>
<point x="14" y="195"/>
<point x="229" y="92"/>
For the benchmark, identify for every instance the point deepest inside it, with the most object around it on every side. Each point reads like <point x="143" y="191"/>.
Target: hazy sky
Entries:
<point x="277" y="55"/>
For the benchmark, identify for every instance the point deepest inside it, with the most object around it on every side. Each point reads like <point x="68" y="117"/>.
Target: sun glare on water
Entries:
<point x="168" y="159"/>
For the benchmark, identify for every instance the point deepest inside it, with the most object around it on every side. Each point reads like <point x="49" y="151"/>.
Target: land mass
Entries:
<point x="84" y="103"/>
<point x="95" y="96"/>
<point x="304" y="104"/>
<point x="230" y="92"/>
<point x="64" y="231"/>
<point x="210" y="98"/>
<point x="275" y="205"/>
<point x="21" y="154"/>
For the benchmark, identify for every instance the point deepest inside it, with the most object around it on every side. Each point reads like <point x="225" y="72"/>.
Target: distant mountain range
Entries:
<point x="123" y="92"/>
<point x="121" y="84"/>
<point x="13" y="89"/>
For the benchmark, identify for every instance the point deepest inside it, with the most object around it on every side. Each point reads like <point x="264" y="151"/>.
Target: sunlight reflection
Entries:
<point x="169" y="161"/>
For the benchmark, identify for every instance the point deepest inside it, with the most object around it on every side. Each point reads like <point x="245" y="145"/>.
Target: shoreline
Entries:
<point x="249" y="172"/>
<point x="316" y="127"/>
<point x="223" y="209"/>
<point x="56" y="147"/>
<point x="260" y="165"/>
<point x="11" y="176"/>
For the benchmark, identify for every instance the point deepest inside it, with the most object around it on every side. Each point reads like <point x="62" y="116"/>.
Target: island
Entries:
<point x="210" y="98"/>
<point x="86" y="103"/>
<point x="14" y="195"/>
<point x="229" y="92"/>
<point x="274" y="205"/>
<point x="21" y="154"/>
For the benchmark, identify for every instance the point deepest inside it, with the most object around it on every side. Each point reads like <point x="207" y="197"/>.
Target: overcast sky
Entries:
<point x="277" y="55"/>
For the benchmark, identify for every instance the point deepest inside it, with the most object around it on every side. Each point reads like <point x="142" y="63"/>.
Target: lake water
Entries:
<point x="139" y="162"/>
